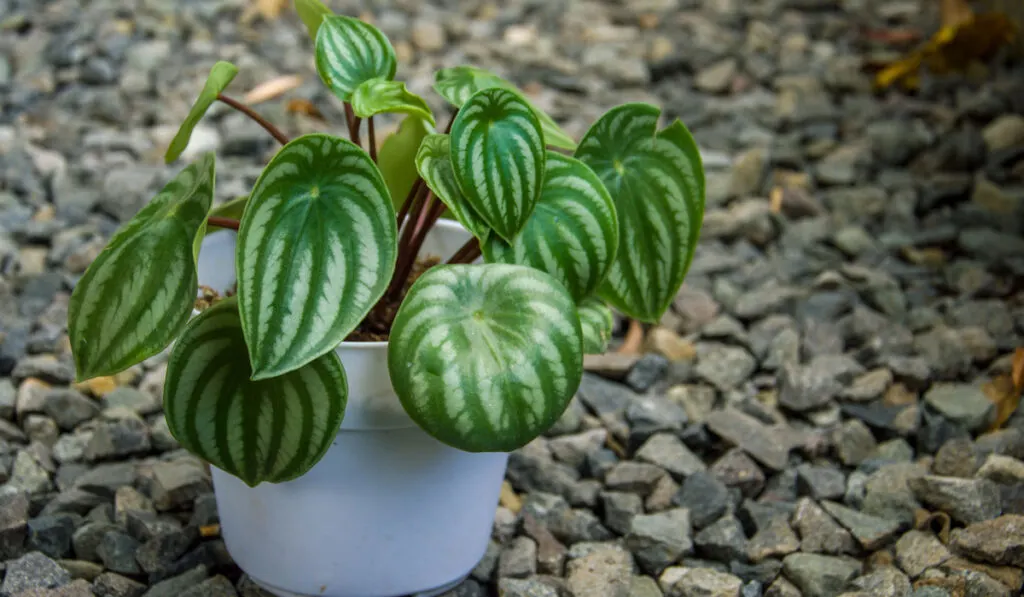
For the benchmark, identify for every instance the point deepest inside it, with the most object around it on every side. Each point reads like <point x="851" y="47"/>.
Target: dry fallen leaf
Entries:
<point x="210" y="530"/>
<point x="964" y="40"/>
<point x="1005" y="390"/>
<point x="267" y="9"/>
<point x="271" y="89"/>
<point x="509" y="498"/>
<point x="306" y="108"/>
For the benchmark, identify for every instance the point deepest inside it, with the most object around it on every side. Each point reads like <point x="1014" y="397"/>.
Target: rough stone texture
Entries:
<point x="966" y="501"/>
<point x="999" y="541"/>
<point x="819" y="576"/>
<point x="918" y="551"/>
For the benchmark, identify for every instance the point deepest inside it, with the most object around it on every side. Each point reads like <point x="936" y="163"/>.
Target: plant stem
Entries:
<point x="244" y="109"/>
<point x="451" y="121"/>
<point x="409" y="199"/>
<point x="410" y="244"/>
<point x="467" y="252"/>
<point x="353" y="124"/>
<point x="372" y="139"/>
<point x="223" y="222"/>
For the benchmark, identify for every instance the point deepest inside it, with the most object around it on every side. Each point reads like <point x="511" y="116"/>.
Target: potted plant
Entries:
<point x="384" y="328"/>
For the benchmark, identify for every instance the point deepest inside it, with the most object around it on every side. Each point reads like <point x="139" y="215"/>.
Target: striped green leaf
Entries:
<point x="316" y="250"/>
<point x="349" y="52"/>
<point x="312" y="13"/>
<point x="218" y="80"/>
<point x="656" y="179"/>
<point x="597" y="322"/>
<point x="486" y="357"/>
<point x="497" y="154"/>
<point x="433" y="162"/>
<point x="397" y="157"/>
<point x="137" y="295"/>
<point x="573" y="233"/>
<point x="378" y="96"/>
<point x="272" y="430"/>
<point x="458" y="83"/>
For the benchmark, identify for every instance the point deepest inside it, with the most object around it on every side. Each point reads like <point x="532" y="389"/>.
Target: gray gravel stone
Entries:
<point x="14" y="511"/>
<point x="775" y="539"/>
<point x="820" y="576"/>
<point x="607" y="571"/>
<point x="518" y="559"/>
<point x="917" y="551"/>
<point x="175" y="586"/>
<point x="668" y="452"/>
<point x="33" y="571"/>
<point x="704" y="497"/>
<point x="819" y="532"/>
<point x="963" y="404"/>
<point x="659" y="540"/>
<point x="519" y="587"/>
<point x="724" y="540"/>
<point x="854" y="442"/>
<point x="725" y="367"/>
<point x="821" y="482"/>
<point x="965" y="500"/>
<point x="51" y="535"/>
<point x="999" y="541"/>
<point x="758" y="440"/>
<point x="218" y="586"/>
<point x="69" y="408"/>
<point x="117" y="552"/>
<point x="883" y="582"/>
<point x="110" y="584"/>
<point x="871" y="531"/>
<point x="737" y="470"/>
<point x="619" y="509"/>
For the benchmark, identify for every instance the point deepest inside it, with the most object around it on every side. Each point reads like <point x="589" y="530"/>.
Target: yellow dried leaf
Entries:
<point x="775" y="199"/>
<point x="1017" y="369"/>
<point x="1006" y="397"/>
<point x="964" y="41"/>
<point x="210" y="530"/>
<point x="267" y="9"/>
<point x="509" y="499"/>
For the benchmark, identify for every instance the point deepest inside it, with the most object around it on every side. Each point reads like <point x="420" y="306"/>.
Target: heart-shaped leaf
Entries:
<point x="377" y="96"/>
<point x="497" y="154"/>
<point x="316" y="250"/>
<point x="434" y="164"/>
<point x="137" y="295"/>
<point x="272" y="430"/>
<point x="312" y="13"/>
<point x="349" y="52"/>
<point x="458" y="83"/>
<point x="656" y="179"/>
<point x="486" y="357"/>
<point x="573" y="233"/>
<point x="597" y="322"/>
<point x="397" y="158"/>
<point x="218" y="80"/>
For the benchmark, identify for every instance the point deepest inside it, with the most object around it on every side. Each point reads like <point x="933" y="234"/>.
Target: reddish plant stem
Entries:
<point x="371" y="139"/>
<point x="223" y="222"/>
<point x="409" y="199"/>
<point x="467" y="252"/>
<point x="409" y="246"/>
<point x="244" y="109"/>
<point x="451" y="121"/>
<point x="353" y="124"/>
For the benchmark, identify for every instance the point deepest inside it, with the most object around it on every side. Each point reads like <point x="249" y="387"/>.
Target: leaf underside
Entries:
<point x="657" y="182"/>
<point x="137" y="295"/>
<point x="312" y="13"/>
<point x="597" y="322"/>
<point x="486" y="357"/>
<point x="218" y="80"/>
<point x="433" y="162"/>
<point x="497" y="154"/>
<point x="573" y="233"/>
<point x="378" y="96"/>
<point x="458" y="83"/>
<point x="397" y="158"/>
<point x="349" y="52"/>
<point x="316" y="250"/>
<point x="272" y="430"/>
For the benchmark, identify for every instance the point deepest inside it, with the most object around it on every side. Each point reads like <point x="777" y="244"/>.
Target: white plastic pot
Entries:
<point x="388" y="512"/>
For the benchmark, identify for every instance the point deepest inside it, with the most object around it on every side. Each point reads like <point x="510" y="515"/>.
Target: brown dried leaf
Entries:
<point x="304" y="107"/>
<point x="210" y="530"/>
<point x="1005" y="395"/>
<point x="266" y="9"/>
<point x="509" y="498"/>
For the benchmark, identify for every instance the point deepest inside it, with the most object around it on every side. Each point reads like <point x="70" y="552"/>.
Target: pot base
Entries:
<point x="428" y="593"/>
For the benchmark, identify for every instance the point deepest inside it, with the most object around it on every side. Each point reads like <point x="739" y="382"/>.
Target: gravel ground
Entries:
<point x="808" y="419"/>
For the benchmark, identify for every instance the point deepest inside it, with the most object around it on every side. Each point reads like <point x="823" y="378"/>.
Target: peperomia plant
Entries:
<point x="485" y="351"/>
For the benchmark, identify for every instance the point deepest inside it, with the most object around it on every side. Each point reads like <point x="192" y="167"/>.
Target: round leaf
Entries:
<point x="458" y="83"/>
<point x="316" y="250"/>
<point x="377" y="96"/>
<point x="137" y="295"/>
<point x="596" y="322"/>
<point x="218" y="80"/>
<point x="497" y="154"/>
<point x="433" y="162"/>
<point x="272" y="430"/>
<point x="486" y="357"/>
<point x="349" y="52"/>
<point x="573" y="233"/>
<point x="656" y="179"/>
